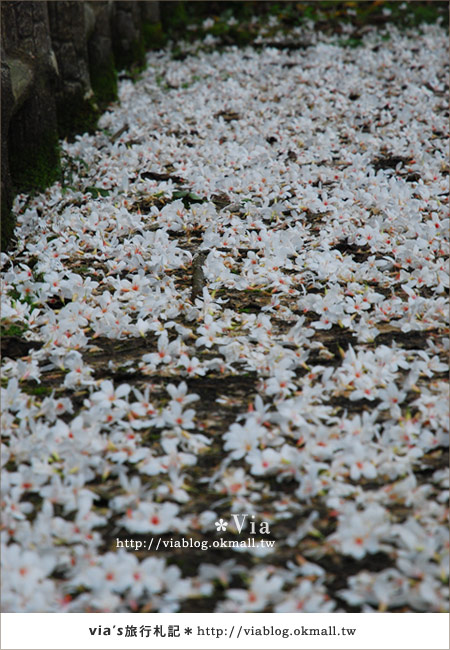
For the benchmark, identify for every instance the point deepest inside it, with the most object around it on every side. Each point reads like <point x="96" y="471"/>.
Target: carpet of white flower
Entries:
<point x="304" y="382"/>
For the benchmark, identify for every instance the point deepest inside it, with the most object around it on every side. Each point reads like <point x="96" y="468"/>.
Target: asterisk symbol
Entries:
<point x="221" y="525"/>
<point x="188" y="630"/>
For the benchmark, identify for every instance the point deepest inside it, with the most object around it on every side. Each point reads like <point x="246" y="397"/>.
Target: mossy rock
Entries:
<point x="8" y="224"/>
<point x="104" y="84"/>
<point x="154" y="37"/>
<point x="174" y="15"/>
<point x="77" y="115"/>
<point x="132" y="56"/>
<point x="39" y="168"/>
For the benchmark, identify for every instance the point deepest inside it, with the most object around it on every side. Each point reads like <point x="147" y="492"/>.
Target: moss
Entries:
<point x="104" y="83"/>
<point x="137" y="52"/>
<point x="240" y="36"/>
<point x="13" y="329"/>
<point x="174" y="15"/>
<point x="38" y="167"/>
<point x="77" y="115"/>
<point x="325" y="15"/>
<point x="8" y="222"/>
<point x="132" y="56"/>
<point x="154" y="37"/>
<point x="36" y="390"/>
<point x="219" y="29"/>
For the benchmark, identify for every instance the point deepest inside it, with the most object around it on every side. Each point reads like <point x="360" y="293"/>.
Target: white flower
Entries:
<point x="361" y="532"/>
<point x="209" y="332"/>
<point x="263" y="588"/>
<point x="391" y="398"/>
<point x="360" y="458"/>
<point x="25" y="580"/>
<point x="192" y="365"/>
<point x="263" y="462"/>
<point x="308" y="597"/>
<point x="108" y="396"/>
<point x="179" y="393"/>
<point x="242" y="439"/>
<point x="235" y="481"/>
<point x="176" y="417"/>
<point x="150" y="517"/>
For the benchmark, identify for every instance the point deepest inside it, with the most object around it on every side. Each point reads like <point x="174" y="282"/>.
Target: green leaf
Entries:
<point x="180" y="194"/>
<point x="97" y="191"/>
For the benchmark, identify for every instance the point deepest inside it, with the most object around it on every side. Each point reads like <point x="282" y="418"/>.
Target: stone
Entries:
<point x="76" y="108"/>
<point x="128" y="41"/>
<point x="29" y="127"/>
<point x="102" y="68"/>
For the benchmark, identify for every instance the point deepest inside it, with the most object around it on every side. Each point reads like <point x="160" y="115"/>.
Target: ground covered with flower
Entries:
<point x="236" y="302"/>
